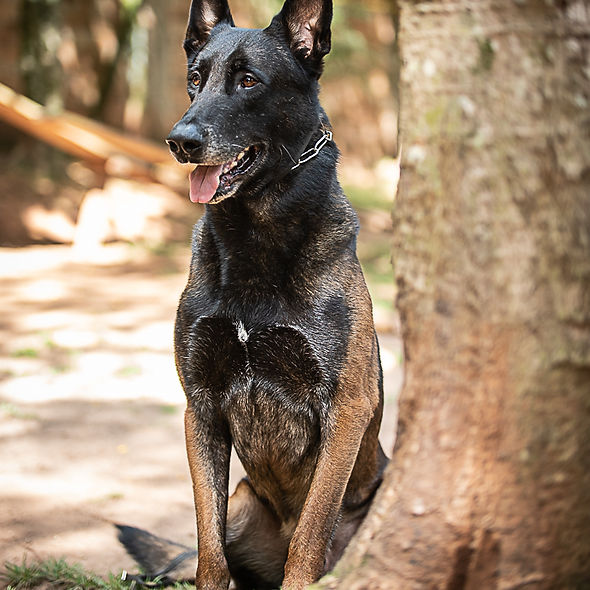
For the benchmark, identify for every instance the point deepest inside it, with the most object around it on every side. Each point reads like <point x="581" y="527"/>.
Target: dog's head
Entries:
<point x="254" y="96"/>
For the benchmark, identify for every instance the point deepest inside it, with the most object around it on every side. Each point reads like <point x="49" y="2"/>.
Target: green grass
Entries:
<point x="57" y="574"/>
<point x="374" y="248"/>
<point x="375" y="258"/>
<point x="129" y="371"/>
<point x="58" y="358"/>
<point x="368" y="198"/>
<point x="12" y="411"/>
<point x="30" y="353"/>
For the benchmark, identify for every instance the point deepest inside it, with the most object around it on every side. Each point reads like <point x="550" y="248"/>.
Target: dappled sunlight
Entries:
<point x="49" y="224"/>
<point x="77" y="331"/>
<point x="41" y="290"/>
<point x="131" y="211"/>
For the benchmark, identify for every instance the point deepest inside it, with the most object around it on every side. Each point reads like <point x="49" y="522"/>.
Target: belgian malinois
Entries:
<point x="274" y="340"/>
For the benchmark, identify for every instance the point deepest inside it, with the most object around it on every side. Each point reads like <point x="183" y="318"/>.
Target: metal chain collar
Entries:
<point x="315" y="150"/>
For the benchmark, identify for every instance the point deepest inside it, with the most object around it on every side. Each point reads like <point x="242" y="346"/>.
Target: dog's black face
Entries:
<point x="254" y="104"/>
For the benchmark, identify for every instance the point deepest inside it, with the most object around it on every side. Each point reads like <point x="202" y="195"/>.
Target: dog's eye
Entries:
<point x="248" y="81"/>
<point x="195" y="80"/>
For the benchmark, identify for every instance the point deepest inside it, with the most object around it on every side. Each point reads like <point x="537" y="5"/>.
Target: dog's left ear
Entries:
<point x="203" y="16"/>
<point x="307" y="26"/>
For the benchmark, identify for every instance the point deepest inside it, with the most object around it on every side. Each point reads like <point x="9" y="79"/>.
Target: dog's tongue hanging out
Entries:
<point x="204" y="181"/>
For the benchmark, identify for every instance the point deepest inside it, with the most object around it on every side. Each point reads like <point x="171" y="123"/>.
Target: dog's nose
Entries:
<point x="185" y="142"/>
<point x="186" y="147"/>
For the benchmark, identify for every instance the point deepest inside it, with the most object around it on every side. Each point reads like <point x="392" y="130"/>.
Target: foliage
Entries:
<point x="57" y="574"/>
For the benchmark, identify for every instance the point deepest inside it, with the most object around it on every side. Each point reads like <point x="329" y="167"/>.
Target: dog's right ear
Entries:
<point x="203" y="16"/>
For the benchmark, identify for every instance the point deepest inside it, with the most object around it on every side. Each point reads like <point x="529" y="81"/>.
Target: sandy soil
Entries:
<point x="90" y="405"/>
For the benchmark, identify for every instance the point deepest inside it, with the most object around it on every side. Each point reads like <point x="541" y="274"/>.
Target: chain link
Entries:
<point x="315" y="150"/>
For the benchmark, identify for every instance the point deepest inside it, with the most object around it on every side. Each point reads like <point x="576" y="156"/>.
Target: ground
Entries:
<point x="90" y="405"/>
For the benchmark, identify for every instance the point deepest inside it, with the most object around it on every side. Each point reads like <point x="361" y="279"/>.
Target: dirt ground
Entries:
<point x="90" y="405"/>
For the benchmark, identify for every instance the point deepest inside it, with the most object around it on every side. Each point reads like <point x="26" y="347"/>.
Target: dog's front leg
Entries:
<point x="208" y="449"/>
<point x="310" y="541"/>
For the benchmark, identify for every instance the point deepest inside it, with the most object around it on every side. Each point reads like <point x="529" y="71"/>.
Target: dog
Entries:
<point x="275" y="345"/>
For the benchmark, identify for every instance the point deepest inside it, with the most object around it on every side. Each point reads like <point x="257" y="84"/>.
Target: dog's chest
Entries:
<point x="267" y="382"/>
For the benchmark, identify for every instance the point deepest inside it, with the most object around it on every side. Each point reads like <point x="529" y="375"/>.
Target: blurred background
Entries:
<point x="120" y="63"/>
<point x="95" y="225"/>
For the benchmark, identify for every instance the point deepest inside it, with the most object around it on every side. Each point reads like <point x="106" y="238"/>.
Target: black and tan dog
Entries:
<point x="275" y="344"/>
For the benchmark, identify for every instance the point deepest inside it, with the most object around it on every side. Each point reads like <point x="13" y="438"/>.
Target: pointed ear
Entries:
<point x="307" y="26"/>
<point x="203" y="16"/>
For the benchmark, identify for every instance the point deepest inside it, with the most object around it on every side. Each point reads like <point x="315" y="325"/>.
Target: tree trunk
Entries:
<point x="489" y="485"/>
<point x="40" y="27"/>
<point x="166" y="93"/>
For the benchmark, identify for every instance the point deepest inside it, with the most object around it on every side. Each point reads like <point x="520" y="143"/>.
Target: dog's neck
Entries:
<point x="265" y="240"/>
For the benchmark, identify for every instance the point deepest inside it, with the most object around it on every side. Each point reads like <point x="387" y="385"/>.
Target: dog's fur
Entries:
<point x="275" y="344"/>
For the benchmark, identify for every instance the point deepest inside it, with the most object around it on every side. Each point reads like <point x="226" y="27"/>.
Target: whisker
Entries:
<point x="287" y="152"/>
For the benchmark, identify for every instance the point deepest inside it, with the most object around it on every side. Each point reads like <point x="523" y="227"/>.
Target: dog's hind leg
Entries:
<point x="256" y="551"/>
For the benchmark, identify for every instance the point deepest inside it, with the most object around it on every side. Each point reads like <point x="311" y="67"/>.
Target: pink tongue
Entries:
<point x="204" y="183"/>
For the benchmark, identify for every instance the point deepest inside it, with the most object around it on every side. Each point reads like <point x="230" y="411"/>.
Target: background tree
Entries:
<point x="489" y="485"/>
<point x="41" y="70"/>
<point x="121" y="62"/>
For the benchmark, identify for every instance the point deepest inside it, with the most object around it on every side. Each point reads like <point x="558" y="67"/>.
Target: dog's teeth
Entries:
<point x="229" y="166"/>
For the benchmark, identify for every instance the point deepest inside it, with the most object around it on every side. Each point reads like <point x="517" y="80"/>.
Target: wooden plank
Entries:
<point x="77" y="135"/>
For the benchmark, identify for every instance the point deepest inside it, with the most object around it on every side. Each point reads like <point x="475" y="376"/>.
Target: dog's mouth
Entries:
<point x="212" y="183"/>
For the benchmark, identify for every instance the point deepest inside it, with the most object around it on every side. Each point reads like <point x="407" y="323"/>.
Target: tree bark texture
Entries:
<point x="489" y="484"/>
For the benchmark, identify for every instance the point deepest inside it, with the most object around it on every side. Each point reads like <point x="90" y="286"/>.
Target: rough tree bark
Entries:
<point x="489" y="485"/>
